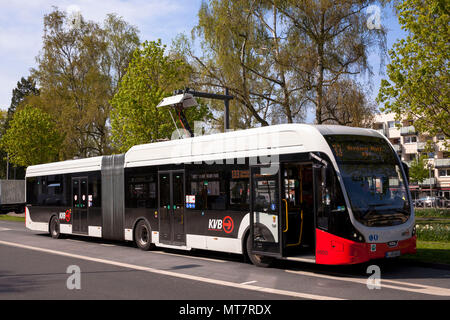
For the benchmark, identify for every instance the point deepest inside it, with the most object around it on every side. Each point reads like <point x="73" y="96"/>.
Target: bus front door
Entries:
<point x="171" y="208"/>
<point x="80" y="205"/>
<point x="265" y="204"/>
<point x="297" y="191"/>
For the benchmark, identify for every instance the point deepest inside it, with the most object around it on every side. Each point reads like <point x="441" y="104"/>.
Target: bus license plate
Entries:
<point x="393" y="254"/>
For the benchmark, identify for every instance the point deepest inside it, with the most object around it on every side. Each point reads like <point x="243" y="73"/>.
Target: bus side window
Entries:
<point x="32" y="191"/>
<point x="239" y="190"/>
<point x="208" y="189"/>
<point x="141" y="191"/>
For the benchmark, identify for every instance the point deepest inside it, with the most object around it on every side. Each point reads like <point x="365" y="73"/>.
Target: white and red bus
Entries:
<point x="322" y="194"/>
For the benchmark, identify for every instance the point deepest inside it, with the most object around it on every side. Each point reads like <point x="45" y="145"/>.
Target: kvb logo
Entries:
<point x="226" y="224"/>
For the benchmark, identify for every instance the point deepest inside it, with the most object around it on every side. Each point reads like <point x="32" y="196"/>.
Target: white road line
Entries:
<point x="249" y="282"/>
<point x="385" y="283"/>
<point x="177" y="275"/>
<point x="5" y="229"/>
<point x="187" y="256"/>
<point x="107" y="245"/>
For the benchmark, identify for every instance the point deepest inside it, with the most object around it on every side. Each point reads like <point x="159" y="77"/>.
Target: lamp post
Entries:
<point x="429" y="165"/>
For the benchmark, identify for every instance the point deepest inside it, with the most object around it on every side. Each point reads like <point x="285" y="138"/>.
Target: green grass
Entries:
<point x="431" y="212"/>
<point x="5" y="217"/>
<point x="431" y="251"/>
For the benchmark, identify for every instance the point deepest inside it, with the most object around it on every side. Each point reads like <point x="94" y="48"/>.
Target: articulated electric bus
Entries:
<point x="322" y="194"/>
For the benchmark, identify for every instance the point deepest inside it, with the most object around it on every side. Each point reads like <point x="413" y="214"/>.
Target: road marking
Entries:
<point x="385" y="283"/>
<point x="5" y="229"/>
<point x="249" y="282"/>
<point x="187" y="256"/>
<point x="107" y="245"/>
<point x="177" y="275"/>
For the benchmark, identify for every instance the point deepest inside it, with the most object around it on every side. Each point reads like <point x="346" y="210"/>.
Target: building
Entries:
<point x="409" y="145"/>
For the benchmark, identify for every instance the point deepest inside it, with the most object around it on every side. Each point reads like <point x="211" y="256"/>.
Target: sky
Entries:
<point x="21" y="30"/>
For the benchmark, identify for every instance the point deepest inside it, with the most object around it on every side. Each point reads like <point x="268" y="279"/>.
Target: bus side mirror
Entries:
<point x="406" y="169"/>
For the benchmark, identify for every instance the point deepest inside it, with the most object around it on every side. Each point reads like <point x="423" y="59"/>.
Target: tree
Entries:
<point x="25" y="87"/>
<point x="418" y="85"/>
<point x="244" y="50"/>
<point x="418" y="171"/>
<point x="78" y="70"/>
<point x="347" y="105"/>
<point x="33" y="138"/>
<point x="332" y="42"/>
<point x="151" y="76"/>
<point x="281" y="57"/>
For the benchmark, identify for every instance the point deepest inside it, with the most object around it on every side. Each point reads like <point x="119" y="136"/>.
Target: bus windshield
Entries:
<point x="373" y="179"/>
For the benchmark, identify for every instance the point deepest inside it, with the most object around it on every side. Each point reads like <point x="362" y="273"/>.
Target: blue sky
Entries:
<point x="21" y="29"/>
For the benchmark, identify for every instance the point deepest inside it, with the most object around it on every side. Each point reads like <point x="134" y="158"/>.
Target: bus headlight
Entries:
<point x="356" y="236"/>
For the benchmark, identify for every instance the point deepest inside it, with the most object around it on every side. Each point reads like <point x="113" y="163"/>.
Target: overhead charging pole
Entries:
<point x="183" y="99"/>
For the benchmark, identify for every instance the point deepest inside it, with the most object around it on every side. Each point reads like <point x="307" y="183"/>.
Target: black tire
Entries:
<point x="143" y="236"/>
<point x="54" y="228"/>
<point x="256" y="259"/>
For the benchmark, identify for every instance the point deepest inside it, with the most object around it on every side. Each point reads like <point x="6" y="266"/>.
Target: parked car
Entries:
<point x="428" y="202"/>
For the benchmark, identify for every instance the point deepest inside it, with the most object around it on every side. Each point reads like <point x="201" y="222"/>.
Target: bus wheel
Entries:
<point x="143" y="236"/>
<point x="256" y="259"/>
<point x="54" y="228"/>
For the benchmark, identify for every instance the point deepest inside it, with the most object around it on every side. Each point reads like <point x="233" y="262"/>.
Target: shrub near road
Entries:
<point x="433" y="235"/>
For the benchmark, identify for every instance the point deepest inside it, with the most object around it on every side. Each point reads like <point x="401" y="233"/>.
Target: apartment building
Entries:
<point x="409" y="144"/>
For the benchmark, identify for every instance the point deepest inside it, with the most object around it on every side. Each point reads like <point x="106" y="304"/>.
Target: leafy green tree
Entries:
<point x="25" y="88"/>
<point x="418" y="171"/>
<point x="330" y="44"/>
<point x="151" y="76"/>
<point x="279" y="58"/>
<point x="244" y="50"/>
<point x="79" y="68"/>
<point x="418" y="84"/>
<point x="32" y="138"/>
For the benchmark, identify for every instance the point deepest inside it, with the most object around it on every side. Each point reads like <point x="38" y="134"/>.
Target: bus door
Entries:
<point x="171" y="207"/>
<point x="80" y="205"/>
<point x="265" y="222"/>
<point x="297" y="208"/>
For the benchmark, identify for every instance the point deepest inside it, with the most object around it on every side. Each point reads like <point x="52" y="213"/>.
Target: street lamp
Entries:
<point x="429" y="166"/>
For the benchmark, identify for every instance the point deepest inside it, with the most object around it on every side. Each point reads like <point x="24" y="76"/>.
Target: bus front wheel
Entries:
<point x="256" y="259"/>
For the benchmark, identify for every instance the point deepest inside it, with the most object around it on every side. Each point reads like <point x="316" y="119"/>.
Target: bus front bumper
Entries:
<point x="334" y="250"/>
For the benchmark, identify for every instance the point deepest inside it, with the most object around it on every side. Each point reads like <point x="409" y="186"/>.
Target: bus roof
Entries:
<point x="263" y="141"/>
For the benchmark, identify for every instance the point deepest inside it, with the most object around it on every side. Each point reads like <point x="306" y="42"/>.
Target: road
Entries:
<point x="34" y="266"/>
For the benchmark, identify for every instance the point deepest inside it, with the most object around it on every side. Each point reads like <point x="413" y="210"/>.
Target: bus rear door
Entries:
<point x="171" y="208"/>
<point x="265" y="204"/>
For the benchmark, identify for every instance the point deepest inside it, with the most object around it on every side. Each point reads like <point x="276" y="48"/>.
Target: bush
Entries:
<point x="433" y="232"/>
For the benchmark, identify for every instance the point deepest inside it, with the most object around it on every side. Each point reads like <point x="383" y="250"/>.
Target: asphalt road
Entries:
<point x="34" y="266"/>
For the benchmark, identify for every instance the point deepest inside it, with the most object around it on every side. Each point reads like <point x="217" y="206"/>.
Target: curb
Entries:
<point x="425" y="264"/>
